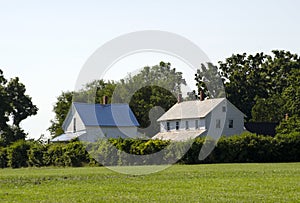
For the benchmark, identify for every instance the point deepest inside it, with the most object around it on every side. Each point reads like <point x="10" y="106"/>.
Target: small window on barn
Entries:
<point x="74" y="125"/>
<point x="186" y="125"/>
<point x="224" y="108"/>
<point x="196" y="124"/>
<point x="230" y="123"/>
<point x="218" y="123"/>
<point x="168" y="126"/>
<point x="177" y="125"/>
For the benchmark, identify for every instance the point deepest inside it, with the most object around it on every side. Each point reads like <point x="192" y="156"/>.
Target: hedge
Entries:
<point x="235" y="149"/>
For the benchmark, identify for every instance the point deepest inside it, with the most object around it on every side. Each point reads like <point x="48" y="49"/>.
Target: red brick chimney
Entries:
<point x="201" y="96"/>
<point x="179" y="99"/>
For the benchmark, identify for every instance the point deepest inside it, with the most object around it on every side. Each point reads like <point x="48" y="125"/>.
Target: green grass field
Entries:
<point x="179" y="183"/>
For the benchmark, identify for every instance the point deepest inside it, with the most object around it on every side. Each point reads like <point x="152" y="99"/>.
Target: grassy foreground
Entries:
<point x="179" y="183"/>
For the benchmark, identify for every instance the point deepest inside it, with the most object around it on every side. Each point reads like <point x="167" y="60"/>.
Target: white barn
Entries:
<point x="89" y="122"/>
<point x="191" y="119"/>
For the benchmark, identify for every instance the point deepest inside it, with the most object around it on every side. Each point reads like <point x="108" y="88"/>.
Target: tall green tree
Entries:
<point x="146" y="99"/>
<point x="94" y="91"/>
<point x="256" y="83"/>
<point x="15" y="106"/>
<point x="291" y="104"/>
<point x="209" y="82"/>
<point x="244" y="80"/>
<point x="156" y="86"/>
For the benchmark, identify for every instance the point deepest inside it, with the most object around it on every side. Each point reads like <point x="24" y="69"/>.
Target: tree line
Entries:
<point x="264" y="87"/>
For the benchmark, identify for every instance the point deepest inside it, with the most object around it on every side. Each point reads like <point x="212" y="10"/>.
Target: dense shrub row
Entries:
<point x="235" y="149"/>
<point x="25" y="153"/>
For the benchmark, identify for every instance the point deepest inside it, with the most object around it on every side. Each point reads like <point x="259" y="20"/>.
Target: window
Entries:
<point x="196" y="124"/>
<point x="74" y="125"/>
<point x="186" y="125"/>
<point x="177" y="125"/>
<point x="218" y="123"/>
<point x="224" y="108"/>
<point x="230" y="124"/>
<point x="168" y="126"/>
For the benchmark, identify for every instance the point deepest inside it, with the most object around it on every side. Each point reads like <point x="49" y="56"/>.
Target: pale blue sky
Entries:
<point x="46" y="43"/>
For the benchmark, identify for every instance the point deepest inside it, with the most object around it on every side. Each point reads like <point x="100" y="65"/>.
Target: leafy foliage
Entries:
<point x="17" y="154"/>
<point x="209" y="81"/>
<point x="61" y="109"/>
<point x="263" y="87"/>
<point x="36" y="154"/>
<point x="235" y="149"/>
<point x="3" y="157"/>
<point x="288" y="126"/>
<point x="15" y="106"/>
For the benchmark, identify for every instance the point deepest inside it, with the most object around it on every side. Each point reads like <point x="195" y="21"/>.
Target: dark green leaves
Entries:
<point x="15" y="106"/>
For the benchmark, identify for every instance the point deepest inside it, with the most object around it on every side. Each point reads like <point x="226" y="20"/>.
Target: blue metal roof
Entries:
<point x="106" y="115"/>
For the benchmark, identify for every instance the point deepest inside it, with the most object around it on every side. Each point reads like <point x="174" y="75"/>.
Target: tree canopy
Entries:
<point x="264" y="87"/>
<point x="15" y="106"/>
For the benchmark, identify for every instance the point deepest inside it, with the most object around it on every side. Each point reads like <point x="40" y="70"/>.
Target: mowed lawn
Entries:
<point x="179" y="183"/>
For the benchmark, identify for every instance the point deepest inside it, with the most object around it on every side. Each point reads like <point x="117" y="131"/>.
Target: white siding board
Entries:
<point x="79" y="124"/>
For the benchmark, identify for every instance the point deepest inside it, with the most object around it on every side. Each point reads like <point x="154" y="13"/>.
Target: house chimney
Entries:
<point x="179" y="99"/>
<point x="105" y="100"/>
<point x="201" y="96"/>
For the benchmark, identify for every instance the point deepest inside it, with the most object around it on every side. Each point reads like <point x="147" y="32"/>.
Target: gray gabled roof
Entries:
<point x="191" y="109"/>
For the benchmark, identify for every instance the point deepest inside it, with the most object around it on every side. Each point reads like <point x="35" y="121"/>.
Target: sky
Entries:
<point x="46" y="43"/>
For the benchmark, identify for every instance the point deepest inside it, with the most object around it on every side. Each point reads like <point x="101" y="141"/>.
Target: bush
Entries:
<point x="36" y="154"/>
<point x="288" y="147"/>
<point x="17" y="154"/>
<point x="247" y="147"/>
<point x="54" y="155"/>
<point x="75" y="154"/>
<point x="3" y="157"/>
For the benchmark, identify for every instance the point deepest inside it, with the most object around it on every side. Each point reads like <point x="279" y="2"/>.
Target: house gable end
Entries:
<point x="68" y="125"/>
<point x="68" y="118"/>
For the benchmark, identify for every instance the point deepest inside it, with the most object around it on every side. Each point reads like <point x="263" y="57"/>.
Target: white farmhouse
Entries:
<point x="191" y="119"/>
<point x="89" y="122"/>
